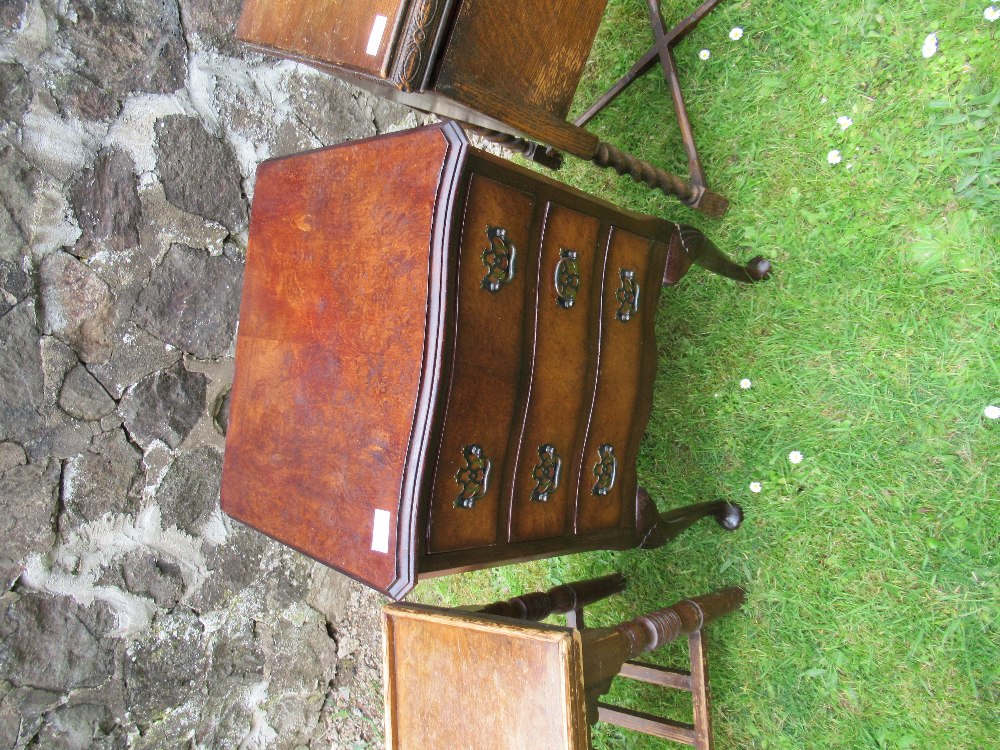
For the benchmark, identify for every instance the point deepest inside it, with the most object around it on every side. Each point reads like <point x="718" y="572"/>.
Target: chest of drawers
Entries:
<point x="445" y="361"/>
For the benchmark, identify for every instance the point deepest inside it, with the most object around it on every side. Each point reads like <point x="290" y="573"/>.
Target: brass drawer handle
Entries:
<point x="567" y="278"/>
<point x="546" y="473"/>
<point x="605" y="470"/>
<point x="499" y="258"/>
<point x="473" y="478"/>
<point x="627" y="296"/>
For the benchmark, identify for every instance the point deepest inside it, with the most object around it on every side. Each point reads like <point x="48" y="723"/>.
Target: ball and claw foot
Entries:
<point x="758" y="268"/>
<point x="729" y="517"/>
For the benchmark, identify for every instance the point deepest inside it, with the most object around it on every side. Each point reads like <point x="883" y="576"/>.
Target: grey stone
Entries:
<point x="83" y="397"/>
<point x="214" y="23"/>
<point x="29" y="503"/>
<point x="57" y="361"/>
<point x="77" y="305"/>
<point x="213" y="189"/>
<point x="21" y="379"/>
<point x="16" y="88"/>
<point x="135" y="355"/>
<point x="192" y="301"/>
<point x="19" y="181"/>
<point x="11" y="12"/>
<point x="164" y="406"/>
<point x="53" y="643"/>
<point x="11" y="455"/>
<point x="106" y="203"/>
<point x="15" y="285"/>
<point x="22" y="712"/>
<point x="144" y="573"/>
<point x="122" y="47"/>
<point x="105" y="479"/>
<point x="77" y="727"/>
<point x="189" y="493"/>
<point x="220" y="413"/>
<point x="233" y="569"/>
<point x="332" y="110"/>
<point x="166" y="667"/>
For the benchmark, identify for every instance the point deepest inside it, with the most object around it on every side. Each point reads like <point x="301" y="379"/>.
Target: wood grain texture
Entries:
<point x="446" y="677"/>
<point x="330" y="405"/>
<point x="529" y="51"/>
<point x="332" y="32"/>
<point x="487" y="365"/>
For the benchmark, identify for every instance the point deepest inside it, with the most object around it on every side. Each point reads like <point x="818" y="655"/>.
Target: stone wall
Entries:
<point x="135" y="614"/>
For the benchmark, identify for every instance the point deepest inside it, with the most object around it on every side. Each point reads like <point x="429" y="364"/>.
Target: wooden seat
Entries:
<point x="495" y="678"/>
<point x="509" y="69"/>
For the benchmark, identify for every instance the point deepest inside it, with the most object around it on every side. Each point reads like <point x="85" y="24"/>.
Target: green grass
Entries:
<point x="871" y="567"/>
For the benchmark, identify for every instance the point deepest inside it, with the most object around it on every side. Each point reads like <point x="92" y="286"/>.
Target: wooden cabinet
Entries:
<point x="445" y="361"/>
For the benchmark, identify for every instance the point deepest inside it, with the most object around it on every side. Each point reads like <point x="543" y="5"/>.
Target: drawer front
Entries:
<point x="564" y="353"/>
<point x="607" y="480"/>
<point x="486" y="367"/>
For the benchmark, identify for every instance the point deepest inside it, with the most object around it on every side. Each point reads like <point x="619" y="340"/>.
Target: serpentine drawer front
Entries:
<point x="444" y="361"/>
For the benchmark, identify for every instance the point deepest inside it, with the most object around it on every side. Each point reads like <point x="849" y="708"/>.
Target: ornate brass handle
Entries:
<point x="473" y="478"/>
<point x="627" y="296"/>
<point x="567" y="277"/>
<point x="499" y="258"/>
<point x="605" y="470"/>
<point x="546" y="473"/>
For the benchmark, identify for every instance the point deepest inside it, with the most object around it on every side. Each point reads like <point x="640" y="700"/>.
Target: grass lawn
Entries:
<point x="871" y="566"/>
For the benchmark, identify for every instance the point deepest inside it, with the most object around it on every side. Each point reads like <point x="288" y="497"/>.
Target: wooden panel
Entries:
<point x="487" y="365"/>
<point x="526" y="51"/>
<point x="563" y="359"/>
<point x="324" y="423"/>
<point x="618" y="385"/>
<point x="456" y="680"/>
<point x="357" y="34"/>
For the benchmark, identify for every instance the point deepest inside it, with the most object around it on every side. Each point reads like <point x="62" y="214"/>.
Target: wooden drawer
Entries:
<point x="628" y="305"/>
<point x="487" y="367"/>
<point x="563" y="355"/>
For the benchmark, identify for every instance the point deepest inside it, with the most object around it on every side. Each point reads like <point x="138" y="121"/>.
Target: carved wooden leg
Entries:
<point x="656" y="529"/>
<point x="690" y="246"/>
<point x="570" y="598"/>
<point x="536" y="152"/>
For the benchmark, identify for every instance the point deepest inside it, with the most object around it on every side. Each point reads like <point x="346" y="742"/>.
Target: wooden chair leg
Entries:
<point x="536" y="152"/>
<point x="569" y="598"/>
<point x="649" y="632"/>
<point x="656" y="529"/>
<point x="690" y="246"/>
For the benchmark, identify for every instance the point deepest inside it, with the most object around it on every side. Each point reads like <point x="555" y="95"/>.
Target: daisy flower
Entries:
<point x="704" y="54"/>
<point x="746" y="384"/>
<point x="845" y="122"/>
<point x="755" y="487"/>
<point x="834" y="156"/>
<point x="992" y="412"/>
<point x="795" y="457"/>
<point x="737" y="33"/>
<point x="991" y="14"/>
<point x="930" y="45"/>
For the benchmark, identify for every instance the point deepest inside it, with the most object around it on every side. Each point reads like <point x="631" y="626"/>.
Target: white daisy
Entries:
<point x="991" y="14"/>
<point x="930" y="45"/>
<point x="834" y="156"/>
<point x="992" y="412"/>
<point x="795" y="457"/>
<point x="845" y="122"/>
<point x="704" y="54"/>
<point x="737" y="33"/>
<point x="755" y="487"/>
<point x="746" y="384"/>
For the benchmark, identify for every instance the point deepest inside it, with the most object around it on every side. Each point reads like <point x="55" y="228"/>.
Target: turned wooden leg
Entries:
<point x="569" y="599"/>
<point x="656" y="529"/>
<point x="536" y="152"/>
<point x="690" y="246"/>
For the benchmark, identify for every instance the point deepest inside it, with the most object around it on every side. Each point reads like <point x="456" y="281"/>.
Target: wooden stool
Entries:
<point x="494" y="678"/>
<point x="508" y="69"/>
